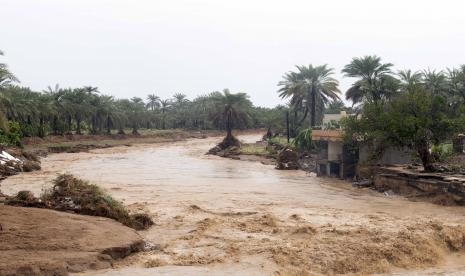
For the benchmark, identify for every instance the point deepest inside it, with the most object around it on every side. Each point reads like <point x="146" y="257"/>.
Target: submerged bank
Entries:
<point x="215" y="215"/>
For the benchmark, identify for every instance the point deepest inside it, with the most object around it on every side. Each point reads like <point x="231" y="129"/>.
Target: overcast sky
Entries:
<point x="133" y="48"/>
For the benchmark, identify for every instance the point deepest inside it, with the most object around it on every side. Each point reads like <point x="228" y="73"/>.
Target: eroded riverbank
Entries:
<point x="215" y="215"/>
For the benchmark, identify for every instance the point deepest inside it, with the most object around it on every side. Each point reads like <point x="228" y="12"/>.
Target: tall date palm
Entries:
<point x="375" y="81"/>
<point x="312" y="86"/>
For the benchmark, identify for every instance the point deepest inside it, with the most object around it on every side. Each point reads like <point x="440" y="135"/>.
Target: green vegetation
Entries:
<point x="419" y="111"/>
<point x="375" y="80"/>
<point x="11" y="135"/>
<point x="310" y="89"/>
<point x="231" y="109"/>
<point x="441" y="152"/>
<point x="303" y="140"/>
<point x="84" y="110"/>
<point x="254" y="149"/>
<point x="72" y="194"/>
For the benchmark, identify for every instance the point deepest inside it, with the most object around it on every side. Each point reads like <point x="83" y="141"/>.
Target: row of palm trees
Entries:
<point x="312" y="88"/>
<point x="84" y="110"/>
<point x="60" y="111"/>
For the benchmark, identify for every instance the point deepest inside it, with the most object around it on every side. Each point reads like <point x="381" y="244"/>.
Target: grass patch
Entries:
<point x="252" y="149"/>
<point x="280" y="140"/>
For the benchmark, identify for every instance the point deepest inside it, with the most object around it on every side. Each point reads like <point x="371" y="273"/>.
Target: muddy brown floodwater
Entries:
<point x="226" y="217"/>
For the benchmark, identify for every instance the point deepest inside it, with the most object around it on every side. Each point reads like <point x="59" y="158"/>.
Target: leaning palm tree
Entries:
<point x="375" y="80"/>
<point x="233" y="110"/>
<point x="311" y="85"/>
<point x="6" y="77"/>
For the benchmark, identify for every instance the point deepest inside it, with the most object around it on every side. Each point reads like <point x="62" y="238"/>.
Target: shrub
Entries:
<point x="303" y="140"/>
<point x="13" y="136"/>
<point x="441" y="152"/>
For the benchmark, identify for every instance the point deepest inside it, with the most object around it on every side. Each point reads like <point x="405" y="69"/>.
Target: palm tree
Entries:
<point x="180" y="106"/>
<point x="153" y="102"/>
<point x="107" y="109"/>
<point x="375" y="80"/>
<point x="57" y="109"/>
<point x="409" y="80"/>
<point x="165" y="105"/>
<point x="137" y="108"/>
<point x="6" y="77"/>
<point x="180" y="98"/>
<point x="436" y="82"/>
<point x="311" y="85"/>
<point x="231" y="108"/>
<point x="44" y="107"/>
<point x="456" y="81"/>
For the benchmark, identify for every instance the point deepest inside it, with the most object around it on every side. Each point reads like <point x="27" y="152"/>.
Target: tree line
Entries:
<point x="402" y="109"/>
<point x="312" y="90"/>
<point x="84" y="110"/>
<point x="378" y="94"/>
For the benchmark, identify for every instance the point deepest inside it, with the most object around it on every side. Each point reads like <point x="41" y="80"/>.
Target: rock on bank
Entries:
<point x="45" y="242"/>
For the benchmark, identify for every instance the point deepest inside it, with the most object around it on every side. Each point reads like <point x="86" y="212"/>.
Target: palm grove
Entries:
<point x="393" y="108"/>
<point x="84" y="110"/>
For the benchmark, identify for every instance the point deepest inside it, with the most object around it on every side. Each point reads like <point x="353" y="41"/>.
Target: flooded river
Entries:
<point x="228" y="217"/>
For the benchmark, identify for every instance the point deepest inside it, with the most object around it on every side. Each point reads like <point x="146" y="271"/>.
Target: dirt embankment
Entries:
<point x="439" y="188"/>
<point x="80" y="143"/>
<point x="267" y="153"/>
<point x="44" y="242"/>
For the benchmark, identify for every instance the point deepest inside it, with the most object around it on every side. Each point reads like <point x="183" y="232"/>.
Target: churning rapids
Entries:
<point x="220" y="216"/>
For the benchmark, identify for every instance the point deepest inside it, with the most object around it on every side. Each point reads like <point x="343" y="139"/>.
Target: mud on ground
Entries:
<point x="44" y="242"/>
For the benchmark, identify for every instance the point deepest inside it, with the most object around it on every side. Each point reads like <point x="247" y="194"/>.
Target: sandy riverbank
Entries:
<point x="44" y="242"/>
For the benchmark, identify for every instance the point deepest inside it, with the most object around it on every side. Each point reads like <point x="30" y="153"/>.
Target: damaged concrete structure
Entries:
<point x="437" y="188"/>
<point x="334" y="158"/>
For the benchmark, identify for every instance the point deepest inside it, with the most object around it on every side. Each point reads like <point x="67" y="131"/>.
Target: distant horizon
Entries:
<point x="197" y="47"/>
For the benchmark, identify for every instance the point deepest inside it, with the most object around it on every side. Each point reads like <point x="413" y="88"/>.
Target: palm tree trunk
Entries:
<point x="78" y="125"/>
<point x="69" y="124"/>
<point x="108" y="125"/>
<point x="163" y="119"/>
<point x="55" y="125"/>
<point x="425" y="156"/>
<point x="228" y="126"/>
<point x="120" y="129"/>
<point x="41" y="127"/>
<point x="313" y="108"/>
<point x="134" y="128"/>
<point x="94" y="127"/>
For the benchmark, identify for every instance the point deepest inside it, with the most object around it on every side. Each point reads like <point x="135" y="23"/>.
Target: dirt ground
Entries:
<point x="227" y="217"/>
<point x="44" y="242"/>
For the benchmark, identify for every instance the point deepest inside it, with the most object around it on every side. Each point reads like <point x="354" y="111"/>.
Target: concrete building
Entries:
<point x="334" y="159"/>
